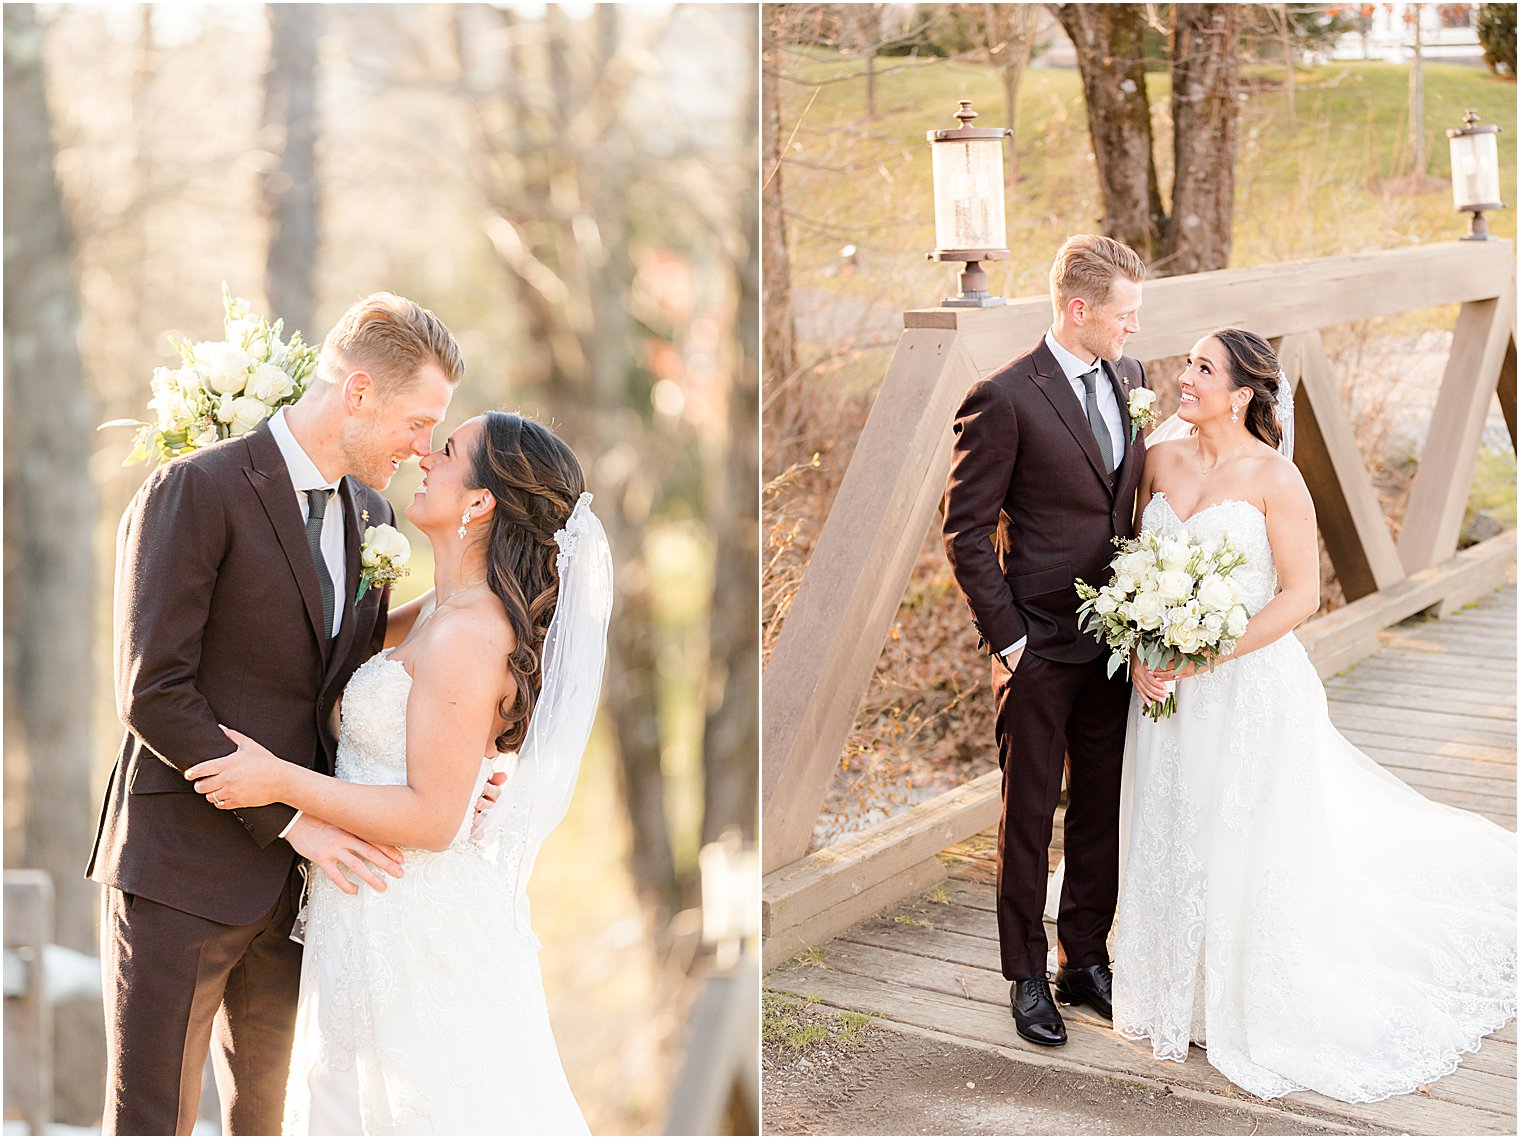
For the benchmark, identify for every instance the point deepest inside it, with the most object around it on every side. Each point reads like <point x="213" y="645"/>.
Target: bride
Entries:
<point x="422" y="1008"/>
<point x="1284" y="902"/>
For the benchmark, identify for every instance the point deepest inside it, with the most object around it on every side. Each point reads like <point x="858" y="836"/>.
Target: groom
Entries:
<point x="237" y="567"/>
<point x="1043" y="478"/>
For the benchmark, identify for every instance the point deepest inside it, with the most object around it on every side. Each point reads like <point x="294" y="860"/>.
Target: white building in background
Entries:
<point x="1448" y="33"/>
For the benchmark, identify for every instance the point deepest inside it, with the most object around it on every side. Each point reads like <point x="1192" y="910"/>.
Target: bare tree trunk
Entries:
<point x="731" y="734"/>
<point x="561" y="230"/>
<point x="1417" y="97"/>
<point x="1107" y="39"/>
<point x="1287" y="46"/>
<point x="864" y="31"/>
<point x="1197" y="235"/>
<point x="1008" y="31"/>
<point x="780" y="333"/>
<point x="50" y="499"/>
<point x="290" y="183"/>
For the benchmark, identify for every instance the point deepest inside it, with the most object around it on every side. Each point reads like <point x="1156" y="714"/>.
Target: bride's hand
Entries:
<point x="249" y="777"/>
<point x="1151" y="689"/>
<point x="1187" y="670"/>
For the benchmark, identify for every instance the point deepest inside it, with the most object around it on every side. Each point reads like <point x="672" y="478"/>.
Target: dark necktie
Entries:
<point x="1095" y="418"/>
<point x="316" y="508"/>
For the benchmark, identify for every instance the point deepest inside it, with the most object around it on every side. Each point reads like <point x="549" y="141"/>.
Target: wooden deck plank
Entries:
<point x="970" y="1004"/>
<point x="1436" y="706"/>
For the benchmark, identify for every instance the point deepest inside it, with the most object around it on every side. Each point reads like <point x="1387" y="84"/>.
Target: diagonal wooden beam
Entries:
<point x="823" y="660"/>
<point x="1438" y="499"/>
<point x="1324" y="448"/>
<point x="1507" y="387"/>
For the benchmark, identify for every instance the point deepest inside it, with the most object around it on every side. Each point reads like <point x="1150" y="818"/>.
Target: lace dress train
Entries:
<point x="422" y="1009"/>
<point x="1286" y="903"/>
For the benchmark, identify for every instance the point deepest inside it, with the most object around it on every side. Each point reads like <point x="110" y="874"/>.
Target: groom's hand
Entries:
<point x="490" y="792"/>
<point x="335" y="850"/>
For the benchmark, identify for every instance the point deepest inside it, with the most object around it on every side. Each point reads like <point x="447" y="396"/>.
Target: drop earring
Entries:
<point x="1234" y="418"/>
<point x="464" y="521"/>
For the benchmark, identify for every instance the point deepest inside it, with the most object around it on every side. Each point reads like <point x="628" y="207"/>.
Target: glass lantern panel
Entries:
<point x="1475" y="170"/>
<point x="968" y="194"/>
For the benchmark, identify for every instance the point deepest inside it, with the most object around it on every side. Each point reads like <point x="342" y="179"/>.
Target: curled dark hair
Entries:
<point x="1254" y="365"/>
<point x="536" y="480"/>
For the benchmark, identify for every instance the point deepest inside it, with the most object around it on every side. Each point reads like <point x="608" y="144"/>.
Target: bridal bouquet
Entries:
<point x="1171" y="600"/>
<point x="223" y="387"/>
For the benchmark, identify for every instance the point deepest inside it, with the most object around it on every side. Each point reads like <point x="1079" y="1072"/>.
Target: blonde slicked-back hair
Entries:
<point x="391" y="338"/>
<point x="1087" y="265"/>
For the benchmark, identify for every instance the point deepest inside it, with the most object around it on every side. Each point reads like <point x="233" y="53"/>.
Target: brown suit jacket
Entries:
<point x="1028" y="507"/>
<point x="218" y="621"/>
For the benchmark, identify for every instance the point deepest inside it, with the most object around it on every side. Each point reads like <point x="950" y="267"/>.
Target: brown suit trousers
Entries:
<point x="218" y="620"/>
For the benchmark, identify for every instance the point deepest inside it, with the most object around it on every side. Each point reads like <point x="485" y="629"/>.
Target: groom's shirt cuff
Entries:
<point x="294" y="820"/>
<point x="1013" y="648"/>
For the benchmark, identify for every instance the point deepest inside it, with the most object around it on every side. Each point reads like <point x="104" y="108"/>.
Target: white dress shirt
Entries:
<point x="1074" y="368"/>
<point x="305" y="476"/>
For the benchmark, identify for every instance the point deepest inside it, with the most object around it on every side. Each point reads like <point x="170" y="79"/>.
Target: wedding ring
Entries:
<point x="217" y="799"/>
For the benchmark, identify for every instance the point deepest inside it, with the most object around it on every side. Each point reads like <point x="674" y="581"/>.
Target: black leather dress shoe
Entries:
<point x="1093" y="986"/>
<point x="1035" y="1014"/>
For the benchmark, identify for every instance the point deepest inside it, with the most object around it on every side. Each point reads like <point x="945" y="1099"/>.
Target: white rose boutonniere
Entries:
<point x="382" y="558"/>
<point x="1142" y="411"/>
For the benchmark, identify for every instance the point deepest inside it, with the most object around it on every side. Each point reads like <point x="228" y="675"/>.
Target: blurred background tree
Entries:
<point x="572" y="190"/>
<point x="1496" y="32"/>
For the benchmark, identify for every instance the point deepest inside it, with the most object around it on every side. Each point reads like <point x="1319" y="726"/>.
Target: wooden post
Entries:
<point x="1438" y="499"/>
<point x="1324" y="449"/>
<point x="28" y="1016"/>
<point x="1507" y="388"/>
<point x="721" y="1054"/>
<point x="839" y="619"/>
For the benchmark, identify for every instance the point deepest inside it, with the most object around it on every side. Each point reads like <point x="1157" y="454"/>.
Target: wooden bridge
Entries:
<point x="931" y="967"/>
<point x="1435" y="706"/>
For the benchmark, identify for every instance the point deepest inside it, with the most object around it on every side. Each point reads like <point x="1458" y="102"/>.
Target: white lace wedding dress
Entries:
<point x="422" y="1009"/>
<point x="1285" y="902"/>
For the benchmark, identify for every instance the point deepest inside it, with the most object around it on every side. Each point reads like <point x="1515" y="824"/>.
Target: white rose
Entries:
<point x="223" y="409"/>
<point x="1235" y="623"/>
<point x="1140" y="400"/>
<point x="224" y="366"/>
<point x="247" y="413"/>
<point x="172" y="408"/>
<point x="248" y="333"/>
<point x="190" y="384"/>
<point x="1174" y="585"/>
<point x="1174" y="553"/>
<point x="1106" y="603"/>
<point x="1124" y="585"/>
<point x="1146" y="611"/>
<point x="381" y="542"/>
<point x="1186" y="637"/>
<point x="207" y="437"/>
<point x="1214" y="623"/>
<point x="269" y="384"/>
<point x="1135" y="563"/>
<point x="1214" y="594"/>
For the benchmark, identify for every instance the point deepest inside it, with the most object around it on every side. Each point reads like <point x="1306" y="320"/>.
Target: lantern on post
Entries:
<point x="968" y="203"/>
<point x="1475" y="172"/>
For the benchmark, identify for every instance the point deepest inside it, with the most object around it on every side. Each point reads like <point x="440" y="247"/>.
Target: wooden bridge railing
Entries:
<point x="823" y="660"/>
